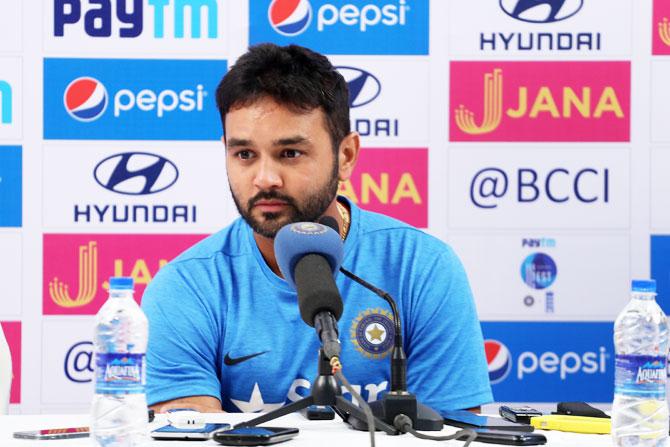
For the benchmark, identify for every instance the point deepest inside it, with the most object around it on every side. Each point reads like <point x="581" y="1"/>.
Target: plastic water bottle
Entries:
<point x="119" y="413"/>
<point x="640" y="411"/>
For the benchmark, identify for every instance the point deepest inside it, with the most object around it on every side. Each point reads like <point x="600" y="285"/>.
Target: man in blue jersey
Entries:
<point x="225" y="331"/>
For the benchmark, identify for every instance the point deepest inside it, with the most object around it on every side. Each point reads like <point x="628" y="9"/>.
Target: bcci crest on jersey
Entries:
<point x="372" y="333"/>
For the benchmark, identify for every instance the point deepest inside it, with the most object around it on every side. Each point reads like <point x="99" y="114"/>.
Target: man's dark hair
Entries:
<point x="294" y="76"/>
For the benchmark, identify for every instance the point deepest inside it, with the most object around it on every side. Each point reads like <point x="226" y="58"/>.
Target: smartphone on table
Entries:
<point x="53" y="433"/>
<point x="466" y="419"/>
<point x="199" y="434"/>
<point x="506" y="437"/>
<point x="254" y="435"/>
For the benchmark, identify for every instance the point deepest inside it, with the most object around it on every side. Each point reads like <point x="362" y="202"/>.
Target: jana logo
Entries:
<point x="364" y="87"/>
<point x="136" y="173"/>
<point x="499" y="360"/>
<point x="541" y="11"/>
<point x="85" y="99"/>
<point x="664" y="31"/>
<point x="290" y="17"/>
<point x="538" y="271"/>
<point x="59" y="291"/>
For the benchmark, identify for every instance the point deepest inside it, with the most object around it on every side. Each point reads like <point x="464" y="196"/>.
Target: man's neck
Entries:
<point x="266" y="245"/>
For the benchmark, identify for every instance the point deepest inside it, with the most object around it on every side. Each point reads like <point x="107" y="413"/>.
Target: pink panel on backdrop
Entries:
<point x="12" y="330"/>
<point x="660" y="27"/>
<point x="77" y="266"/>
<point x="540" y="101"/>
<point x="392" y="182"/>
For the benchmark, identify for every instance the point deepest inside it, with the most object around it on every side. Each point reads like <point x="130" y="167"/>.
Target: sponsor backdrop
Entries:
<point x="532" y="136"/>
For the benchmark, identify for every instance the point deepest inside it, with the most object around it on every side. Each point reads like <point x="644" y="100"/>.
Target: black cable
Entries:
<point x="403" y="424"/>
<point x="363" y="404"/>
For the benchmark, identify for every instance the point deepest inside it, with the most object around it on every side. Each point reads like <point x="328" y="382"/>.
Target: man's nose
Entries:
<point x="268" y="175"/>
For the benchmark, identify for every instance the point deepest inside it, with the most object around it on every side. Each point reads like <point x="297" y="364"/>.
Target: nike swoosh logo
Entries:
<point x="228" y="360"/>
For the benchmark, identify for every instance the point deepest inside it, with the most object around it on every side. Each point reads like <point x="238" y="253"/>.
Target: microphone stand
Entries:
<point x="325" y="391"/>
<point x="398" y="400"/>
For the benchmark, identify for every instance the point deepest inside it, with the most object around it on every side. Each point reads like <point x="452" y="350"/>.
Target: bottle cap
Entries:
<point x="121" y="283"/>
<point x="644" y="285"/>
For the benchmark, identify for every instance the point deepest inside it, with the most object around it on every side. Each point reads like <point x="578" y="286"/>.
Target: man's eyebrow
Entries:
<point x="289" y="141"/>
<point x="236" y="142"/>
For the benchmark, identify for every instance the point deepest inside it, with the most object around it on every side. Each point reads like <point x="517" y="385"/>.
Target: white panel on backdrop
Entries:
<point x="660" y="101"/>
<point x="10" y="275"/>
<point x="388" y="106"/>
<point x="10" y="98"/>
<point x="11" y="26"/>
<point x="128" y="27"/>
<point x="504" y="28"/>
<point x="67" y="360"/>
<point x="148" y="185"/>
<point x="548" y="188"/>
<point x="547" y="275"/>
<point x="660" y="189"/>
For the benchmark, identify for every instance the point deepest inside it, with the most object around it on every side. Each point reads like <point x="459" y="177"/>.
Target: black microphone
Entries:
<point x="308" y="255"/>
<point x="398" y="400"/>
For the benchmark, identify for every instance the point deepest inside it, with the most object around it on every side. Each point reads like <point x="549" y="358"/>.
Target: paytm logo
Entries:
<point x="357" y="27"/>
<point x="5" y="102"/>
<point x="129" y="18"/>
<point x="147" y="99"/>
<point x="552" y="363"/>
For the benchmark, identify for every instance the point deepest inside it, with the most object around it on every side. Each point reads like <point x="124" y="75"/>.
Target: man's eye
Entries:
<point x="244" y="155"/>
<point x="291" y="153"/>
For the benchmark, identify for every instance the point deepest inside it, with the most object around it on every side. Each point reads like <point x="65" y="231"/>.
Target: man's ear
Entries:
<point x="348" y="155"/>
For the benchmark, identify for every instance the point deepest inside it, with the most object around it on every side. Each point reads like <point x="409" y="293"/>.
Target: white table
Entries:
<point x="312" y="433"/>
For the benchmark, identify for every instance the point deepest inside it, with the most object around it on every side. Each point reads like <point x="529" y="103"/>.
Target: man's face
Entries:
<point x="281" y="165"/>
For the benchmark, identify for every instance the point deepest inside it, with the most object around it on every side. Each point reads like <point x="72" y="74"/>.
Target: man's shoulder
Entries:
<point x="231" y="241"/>
<point x="376" y="227"/>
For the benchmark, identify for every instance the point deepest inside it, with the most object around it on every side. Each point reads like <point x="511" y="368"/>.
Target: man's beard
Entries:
<point x="309" y="211"/>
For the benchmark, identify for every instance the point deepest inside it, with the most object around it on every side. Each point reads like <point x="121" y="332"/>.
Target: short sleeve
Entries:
<point x="446" y="361"/>
<point x="184" y="337"/>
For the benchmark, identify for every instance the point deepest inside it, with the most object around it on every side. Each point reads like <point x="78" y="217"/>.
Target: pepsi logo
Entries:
<point x="85" y="99"/>
<point x="499" y="360"/>
<point x="136" y="173"/>
<point x="364" y="87"/>
<point x="290" y="17"/>
<point x="541" y="11"/>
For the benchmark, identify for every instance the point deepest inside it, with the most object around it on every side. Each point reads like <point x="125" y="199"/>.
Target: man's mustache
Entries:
<point x="269" y="195"/>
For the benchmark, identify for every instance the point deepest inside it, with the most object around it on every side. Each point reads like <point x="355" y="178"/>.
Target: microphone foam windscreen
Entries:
<point x="330" y="222"/>
<point x="296" y="240"/>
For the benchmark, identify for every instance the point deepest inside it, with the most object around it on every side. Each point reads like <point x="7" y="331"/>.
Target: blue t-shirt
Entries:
<point x="222" y="324"/>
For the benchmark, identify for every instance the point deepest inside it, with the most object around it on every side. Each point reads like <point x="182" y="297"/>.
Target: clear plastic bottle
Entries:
<point x="119" y="411"/>
<point x="640" y="411"/>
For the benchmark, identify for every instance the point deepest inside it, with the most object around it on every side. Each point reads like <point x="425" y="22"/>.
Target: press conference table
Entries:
<point x="312" y="433"/>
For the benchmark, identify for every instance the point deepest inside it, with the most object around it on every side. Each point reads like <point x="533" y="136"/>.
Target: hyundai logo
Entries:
<point x="364" y="87"/>
<point x="541" y="11"/>
<point x="136" y="173"/>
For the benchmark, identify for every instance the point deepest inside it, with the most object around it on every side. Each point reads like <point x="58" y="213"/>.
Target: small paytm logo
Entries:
<point x="499" y="360"/>
<point x="540" y="101"/>
<point x="85" y="99"/>
<point x="661" y="28"/>
<point x="84" y="262"/>
<point x="290" y="17"/>
<point x="392" y="182"/>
